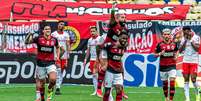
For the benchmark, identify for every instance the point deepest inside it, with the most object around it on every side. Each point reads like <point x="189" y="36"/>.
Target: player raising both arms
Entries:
<point x="45" y="59"/>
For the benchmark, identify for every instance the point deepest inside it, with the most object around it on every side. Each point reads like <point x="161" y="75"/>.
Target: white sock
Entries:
<point x="58" y="78"/>
<point x="38" y="94"/>
<point x="95" y="81"/>
<point x="61" y="78"/>
<point x="196" y="88"/>
<point x="111" y="97"/>
<point x="186" y="90"/>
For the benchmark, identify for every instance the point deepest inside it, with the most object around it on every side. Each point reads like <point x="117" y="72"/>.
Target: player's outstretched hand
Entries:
<point x="114" y="4"/>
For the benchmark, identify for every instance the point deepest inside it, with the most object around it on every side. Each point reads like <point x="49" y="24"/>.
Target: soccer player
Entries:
<point x="45" y="59"/>
<point x="167" y="50"/>
<point x="113" y="76"/>
<point x="64" y="43"/>
<point x="91" y="49"/>
<point x="189" y="46"/>
<point x="116" y="25"/>
<point x="103" y="62"/>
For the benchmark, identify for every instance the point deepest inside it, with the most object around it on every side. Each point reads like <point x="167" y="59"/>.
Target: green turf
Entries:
<point x="82" y="93"/>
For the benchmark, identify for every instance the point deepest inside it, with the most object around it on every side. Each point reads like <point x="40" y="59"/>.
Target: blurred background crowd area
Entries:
<point x="194" y="13"/>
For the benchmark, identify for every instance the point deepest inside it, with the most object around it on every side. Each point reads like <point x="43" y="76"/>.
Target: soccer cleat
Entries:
<point x="124" y="95"/>
<point x="49" y="95"/>
<point x="94" y="93"/>
<point x="38" y="99"/>
<point x="166" y="99"/>
<point x="99" y="93"/>
<point x="57" y="92"/>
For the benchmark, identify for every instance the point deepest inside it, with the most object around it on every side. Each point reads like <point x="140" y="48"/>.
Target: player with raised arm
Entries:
<point x="189" y="46"/>
<point x="62" y="63"/>
<point x="45" y="59"/>
<point x="167" y="50"/>
<point x="116" y="25"/>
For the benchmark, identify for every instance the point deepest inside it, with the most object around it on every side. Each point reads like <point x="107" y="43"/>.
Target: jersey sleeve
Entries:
<point x="53" y="34"/>
<point x="197" y="39"/>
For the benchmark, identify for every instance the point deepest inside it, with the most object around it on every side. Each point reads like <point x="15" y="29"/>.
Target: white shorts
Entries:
<point x="113" y="79"/>
<point x="169" y="74"/>
<point x="103" y="54"/>
<point x="42" y="72"/>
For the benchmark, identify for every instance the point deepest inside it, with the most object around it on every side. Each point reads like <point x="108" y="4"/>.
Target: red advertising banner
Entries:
<point x="28" y="9"/>
<point x="143" y="37"/>
<point x="13" y="34"/>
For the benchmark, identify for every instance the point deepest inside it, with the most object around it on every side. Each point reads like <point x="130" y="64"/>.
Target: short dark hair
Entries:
<point x="186" y="28"/>
<point x="124" y="32"/>
<point x="93" y="27"/>
<point x="43" y="25"/>
<point x="61" y="21"/>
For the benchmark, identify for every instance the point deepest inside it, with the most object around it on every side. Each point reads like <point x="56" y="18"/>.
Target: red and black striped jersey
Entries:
<point x="45" y="49"/>
<point x="114" y="59"/>
<point x="168" y="58"/>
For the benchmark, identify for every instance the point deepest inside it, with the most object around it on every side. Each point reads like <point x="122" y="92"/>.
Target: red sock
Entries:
<point x="101" y="76"/>
<point x="165" y="88"/>
<point x="172" y="89"/>
<point x="42" y="93"/>
<point x="119" y="96"/>
<point x="107" y="94"/>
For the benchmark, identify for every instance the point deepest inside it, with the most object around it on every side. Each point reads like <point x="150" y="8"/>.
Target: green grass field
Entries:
<point x="26" y="92"/>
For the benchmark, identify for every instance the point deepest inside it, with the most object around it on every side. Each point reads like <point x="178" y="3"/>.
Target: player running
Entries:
<point x="45" y="59"/>
<point x="167" y="50"/>
<point x="62" y="63"/>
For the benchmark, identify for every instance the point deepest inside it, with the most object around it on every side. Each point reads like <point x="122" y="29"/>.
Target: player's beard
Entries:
<point x="167" y="39"/>
<point x="48" y="33"/>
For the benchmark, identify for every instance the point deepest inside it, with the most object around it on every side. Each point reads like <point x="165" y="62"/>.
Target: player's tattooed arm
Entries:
<point x="29" y="38"/>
